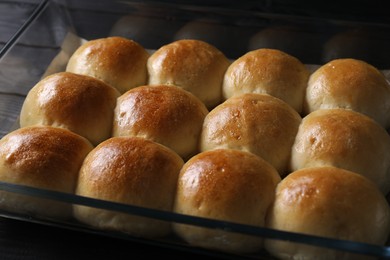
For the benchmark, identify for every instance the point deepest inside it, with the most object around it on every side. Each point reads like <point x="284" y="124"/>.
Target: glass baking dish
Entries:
<point x="234" y="29"/>
<point x="13" y="16"/>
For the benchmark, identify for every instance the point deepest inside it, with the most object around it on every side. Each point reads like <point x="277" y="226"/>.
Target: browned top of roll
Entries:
<point x="268" y="71"/>
<point x="257" y="123"/>
<point x="71" y="98"/>
<point x="193" y="65"/>
<point x="345" y="139"/>
<point x="76" y="102"/>
<point x="118" y="61"/>
<point x="351" y="84"/>
<point x="159" y="109"/>
<point x="336" y="132"/>
<point x="228" y="185"/>
<point x="166" y="114"/>
<point x="345" y="75"/>
<point x="194" y="52"/>
<point x="42" y="156"/>
<point x="330" y="202"/>
<point x="131" y="170"/>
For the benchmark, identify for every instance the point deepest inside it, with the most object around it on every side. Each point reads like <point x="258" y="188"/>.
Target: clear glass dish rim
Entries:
<point x="338" y="244"/>
<point x="344" y="245"/>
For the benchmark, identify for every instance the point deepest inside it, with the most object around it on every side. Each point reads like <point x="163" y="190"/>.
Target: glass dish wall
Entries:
<point x="233" y="29"/>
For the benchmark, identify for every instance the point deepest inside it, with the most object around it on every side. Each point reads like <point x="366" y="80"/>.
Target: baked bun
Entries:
<point x="346" y="139"/>
<point x="129" y="170"/>
<point x="256" y="123"/>
<point x="226" y="185"/>
<point x="79" y="103"/>
<point x="351" y="84"/>
<point x="165" y="114"/>
<point x="267" y="71"/>
<point x="42" y="157"/>
<point x="118" y="61"/>
<point x="193" y="65"/>
<point x="327" y="202"/>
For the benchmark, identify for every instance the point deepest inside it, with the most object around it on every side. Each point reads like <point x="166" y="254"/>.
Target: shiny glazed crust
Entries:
<point x="228" y="185"/>
<point x="351" y="84"/>
<point x="165" y="114"/>
<point x="256" y="123"/>
<point x="42" y="157"/>
<point x="118" y="61"/>
<point x="267" y="71"/>
<point x="133" y="171"/>
<point x="193" y="65"/>
<point x="79" y="103"/>
<point x="346" y="139"/>
<point x="327" y="202"/>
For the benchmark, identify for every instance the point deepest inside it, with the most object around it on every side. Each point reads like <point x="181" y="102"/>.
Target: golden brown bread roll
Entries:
<point x="267" y="71"/>
<point x="327" y="202"/>
<point x="165" y="114"/>
<point x="351" y="84"/>
<point x="118" y="61"/>
<point x="193" y="65"/>
<point x="256" y="123"/>
<point x="227" y="185"/>
<point x="346" y="139"/>
<point x="79" y="103"/>
<point x="129" y="170"/>
<point x="43" y="157"/>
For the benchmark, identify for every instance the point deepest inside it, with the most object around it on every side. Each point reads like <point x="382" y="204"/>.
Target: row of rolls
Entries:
<point x="260" y="140"/>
